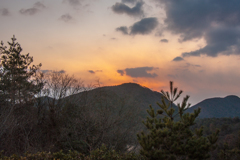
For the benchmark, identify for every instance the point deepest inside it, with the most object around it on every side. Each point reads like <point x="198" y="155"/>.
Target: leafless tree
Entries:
<point x="67" y="115"/>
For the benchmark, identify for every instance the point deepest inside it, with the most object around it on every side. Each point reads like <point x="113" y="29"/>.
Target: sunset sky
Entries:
<point x="195" y="43"/>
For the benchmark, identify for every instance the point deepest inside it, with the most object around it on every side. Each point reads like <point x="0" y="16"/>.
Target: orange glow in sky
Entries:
<point x="94" y="40"/>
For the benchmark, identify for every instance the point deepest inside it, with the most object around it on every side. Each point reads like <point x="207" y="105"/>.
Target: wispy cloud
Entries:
<point x="93" y="72"/>
<point x="33" y="10"/>
<point x="29" y="11"/>
<point x="164" y="40"/>
<point x="66" y="17"/>
<point x="73" y="2"/>
<point x="39" y="5"/>
<point x="5" y="12"/>
<point x="123" y="30"/>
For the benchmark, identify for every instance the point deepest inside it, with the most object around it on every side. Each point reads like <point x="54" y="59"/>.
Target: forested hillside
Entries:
<point x="218" y="107"/>
<point x="229" y="136"/>
<point x="54" y="115"/>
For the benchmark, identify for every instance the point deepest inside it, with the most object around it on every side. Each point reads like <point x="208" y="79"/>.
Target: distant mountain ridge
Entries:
<point x="228" y="106"/>
<point x="133" y="95"/>
<point x="139" y="97"/>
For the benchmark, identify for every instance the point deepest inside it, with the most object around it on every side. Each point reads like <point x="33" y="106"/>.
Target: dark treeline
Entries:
<point x="229" y="136"/>
<point x="53" y="111"/>
<point x="54" y="115"/>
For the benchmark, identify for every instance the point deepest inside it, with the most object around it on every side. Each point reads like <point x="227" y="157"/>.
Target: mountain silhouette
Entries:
<point x="131" y="95"/>
<point x="218" y="107"/>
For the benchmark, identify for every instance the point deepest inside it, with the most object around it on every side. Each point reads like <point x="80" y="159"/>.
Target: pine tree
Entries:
<point x="18" y="80"/>
<point x="169" y="134"/>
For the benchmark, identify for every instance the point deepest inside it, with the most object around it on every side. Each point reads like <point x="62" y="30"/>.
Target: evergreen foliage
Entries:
<point x="18" y="81"/>
<point x="230" y="151"/>
<point x="66" y="123"/>
<point x="171" y="139"/>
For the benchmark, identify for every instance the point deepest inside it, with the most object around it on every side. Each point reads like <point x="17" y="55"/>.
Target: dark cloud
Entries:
<point x="177" y="59"/>
<point x="66" y="17"/>
<point x="224" y="41"/>
<point x="217" y="21"/>
<point x="31" y="11"/>
<point x="5" y="12"/>
<point x="121" y="72"/>
<point x="164" y="40"/>
<point x="123" y="30"/>
<point x="140" y="72"/>
<point x="145" y="26"/>
<point x="91" y="71"/>
<point x="129" y="1"/>
<point x="122" y="8"/>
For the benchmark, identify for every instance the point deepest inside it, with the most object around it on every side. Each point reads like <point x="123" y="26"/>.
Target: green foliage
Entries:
<point x="18" y="81"/>
<point x="229" y="150"/>
<point x="229" y="135"/>
<point x="170" y="139"/>
<point x="102" y="153"/>
<point x="71" y="155"/>
<point x="226" y="153"/>
<point x="226" y="125"/>
<point x="63" y="119"/>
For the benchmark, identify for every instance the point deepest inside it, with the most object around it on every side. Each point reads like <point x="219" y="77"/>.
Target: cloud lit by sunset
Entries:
<point x="196" y="44"/>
